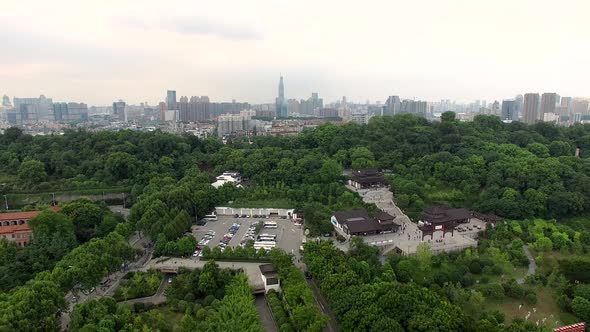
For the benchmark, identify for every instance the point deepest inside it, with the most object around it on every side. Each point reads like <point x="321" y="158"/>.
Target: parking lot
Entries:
<point x="288" y="234"/>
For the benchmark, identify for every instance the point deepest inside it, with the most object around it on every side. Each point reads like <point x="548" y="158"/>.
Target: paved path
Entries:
<point x="532" y="263"/>
<point x="264" y="313"/>
<point x="157" y="298"/>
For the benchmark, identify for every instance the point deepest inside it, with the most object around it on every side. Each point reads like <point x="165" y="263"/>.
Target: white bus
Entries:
<point x="266" y="238"/>
<point x="210" y="217"/>
<point x="266" y="245"/>
<point x="270" y="224"/>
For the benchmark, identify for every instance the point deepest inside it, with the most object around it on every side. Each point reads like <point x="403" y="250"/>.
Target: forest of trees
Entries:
<point x="526" y="173"/>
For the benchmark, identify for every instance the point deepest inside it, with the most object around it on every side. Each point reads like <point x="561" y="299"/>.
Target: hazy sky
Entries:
<point x="100" y="51"/>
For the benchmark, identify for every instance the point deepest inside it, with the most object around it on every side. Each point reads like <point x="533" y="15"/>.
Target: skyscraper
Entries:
<point x="392" y="106"/>
<point x="548" y="102"/>
<point x="531" y="108"/>
<point x="509" y="110"/>
<point x="119" y="110"/>
<point x="281" y="104"/>
<point x="6" y="101"/>
<point x="171" y="99"/>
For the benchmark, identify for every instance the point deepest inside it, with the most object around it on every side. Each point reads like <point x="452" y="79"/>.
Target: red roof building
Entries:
<point x="14" y="226"/>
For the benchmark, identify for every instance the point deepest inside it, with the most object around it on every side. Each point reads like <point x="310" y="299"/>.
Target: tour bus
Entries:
<point x="265" y="244"/>
<point x="270" y="224"/>
<point x="266" y="238"/>
<point x="210" y="217"/>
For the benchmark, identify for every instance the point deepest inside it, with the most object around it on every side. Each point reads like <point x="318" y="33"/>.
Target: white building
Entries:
<point x="227" y="177"/>
<point x="270" y="277"/>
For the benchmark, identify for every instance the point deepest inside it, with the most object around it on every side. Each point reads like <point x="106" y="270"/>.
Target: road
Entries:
<point x="110" y="283"/>
<point x="332" y="326"/>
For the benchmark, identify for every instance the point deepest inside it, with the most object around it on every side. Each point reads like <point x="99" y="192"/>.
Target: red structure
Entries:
<point x="14" y="226"/>
<point x="579" y="327"/>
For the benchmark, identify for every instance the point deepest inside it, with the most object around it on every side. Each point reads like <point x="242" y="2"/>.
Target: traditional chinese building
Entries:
<point x="442" y="218"/>
<point x="367" y="178"/>
<point x="358" y="223"/>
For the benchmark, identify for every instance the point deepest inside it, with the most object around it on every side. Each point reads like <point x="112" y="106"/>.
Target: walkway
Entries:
<point x="264" y="313"/>
<point x="532" y="264"/>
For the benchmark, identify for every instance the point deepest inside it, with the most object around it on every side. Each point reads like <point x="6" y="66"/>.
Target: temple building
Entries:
<point x="367" y="178"/>
<point x="442" y="218"/>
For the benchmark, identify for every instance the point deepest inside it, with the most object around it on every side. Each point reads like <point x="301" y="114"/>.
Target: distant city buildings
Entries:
<point x="70" y="112"/>
<point x="30" y="110"/>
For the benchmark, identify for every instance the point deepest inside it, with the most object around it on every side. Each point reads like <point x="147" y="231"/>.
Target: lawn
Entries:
<point x="546" y="308"/>
<point x="280" y="203"/>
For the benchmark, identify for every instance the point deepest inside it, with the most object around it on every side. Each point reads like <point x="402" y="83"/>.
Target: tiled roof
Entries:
<point x="24" y="215"/>
<point x="14" y="229"/>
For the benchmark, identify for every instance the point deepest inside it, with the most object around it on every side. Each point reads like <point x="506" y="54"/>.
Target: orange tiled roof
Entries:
<point x="24" y="215"/>
<point x="14" y="229"/>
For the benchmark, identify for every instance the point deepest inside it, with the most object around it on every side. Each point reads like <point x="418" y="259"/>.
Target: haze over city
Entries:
<point x="460" y="50"/>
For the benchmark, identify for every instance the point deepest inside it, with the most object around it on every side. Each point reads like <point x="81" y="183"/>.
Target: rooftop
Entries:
<point x="24" y="215"/>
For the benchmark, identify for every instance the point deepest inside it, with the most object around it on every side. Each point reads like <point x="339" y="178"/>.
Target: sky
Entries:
<point x="101" y="51"/>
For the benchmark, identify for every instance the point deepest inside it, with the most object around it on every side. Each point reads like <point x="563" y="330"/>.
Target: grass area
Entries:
<point x="281" y="203"/>
<point x="516" y="273"/>
<point x="546" y="308"/>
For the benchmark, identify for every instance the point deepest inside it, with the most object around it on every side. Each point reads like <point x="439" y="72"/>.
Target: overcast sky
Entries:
<point x="101" y="51"/>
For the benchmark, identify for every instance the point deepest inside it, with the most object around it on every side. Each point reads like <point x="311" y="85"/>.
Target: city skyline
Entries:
<point x="98" y="53"/>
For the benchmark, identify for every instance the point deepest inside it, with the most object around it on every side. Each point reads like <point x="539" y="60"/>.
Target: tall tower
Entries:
<point x="281" y="104"/>
<point x="171" y="99"/>
<point x="531" y="108"/>
<point x="281" y="89"/>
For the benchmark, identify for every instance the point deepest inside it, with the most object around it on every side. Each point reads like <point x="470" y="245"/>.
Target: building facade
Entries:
<point x="531" y="108"/>
<point x="509" y="110"/>
<point x="14" y="226"/>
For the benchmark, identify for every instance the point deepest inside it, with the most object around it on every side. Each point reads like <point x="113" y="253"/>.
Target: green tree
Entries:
<point x="31" y="172"/>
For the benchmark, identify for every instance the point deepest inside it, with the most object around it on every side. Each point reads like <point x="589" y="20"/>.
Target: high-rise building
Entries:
<point x="34" y="109"/>
<point x="312" y="105"/>
<point x="294" y="107"/>
<point x="549" y="101"/>
<point x="519" y="105"/>
<point x="531" y="108"/>
<point x="197" y="109"/>
<point x="580" y="106"/>
<point x="119" y="112"/>
<point x="171" y="99"/>
<point x="416" y="107"/>
<point x="232" y="124"/>
<point x="281" y="103"/>
<point x="6" y="101"/>
<point x="509" y="110"/>
<point x="392" y="106"/>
